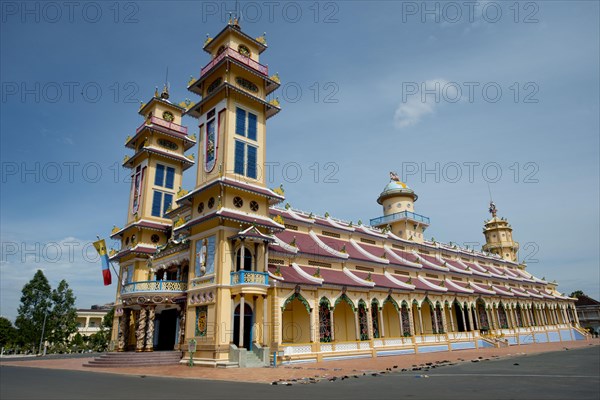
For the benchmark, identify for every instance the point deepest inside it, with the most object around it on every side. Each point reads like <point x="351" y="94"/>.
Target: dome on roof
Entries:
<point x="396" y="187"/>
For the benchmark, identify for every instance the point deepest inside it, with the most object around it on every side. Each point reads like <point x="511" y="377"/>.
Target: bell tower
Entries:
<point x="498" y="236"/>
<point x="226" y="216"/>
<point x="398" y="201"/>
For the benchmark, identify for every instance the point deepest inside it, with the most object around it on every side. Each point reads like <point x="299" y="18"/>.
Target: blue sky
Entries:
<point x="354" y="108"/>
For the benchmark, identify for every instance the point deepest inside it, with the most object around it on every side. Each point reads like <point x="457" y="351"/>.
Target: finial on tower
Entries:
<point x="165" y="91"/>
<point x="493" y="210"/>
<point x="394" y="176"/>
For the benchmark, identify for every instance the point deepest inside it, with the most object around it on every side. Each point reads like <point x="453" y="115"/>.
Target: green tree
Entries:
<point x="36" y="301"/>
<point x="99" y="340"/>
<point x="577" y="293"/>
<point x="8" y="333"/>
<point x="63" y="317"/>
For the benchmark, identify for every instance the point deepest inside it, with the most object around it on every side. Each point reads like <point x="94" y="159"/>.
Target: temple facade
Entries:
<point x="229" y="275"/>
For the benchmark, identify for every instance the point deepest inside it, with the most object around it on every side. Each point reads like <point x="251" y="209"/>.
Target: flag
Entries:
<point x="100" y="246"/>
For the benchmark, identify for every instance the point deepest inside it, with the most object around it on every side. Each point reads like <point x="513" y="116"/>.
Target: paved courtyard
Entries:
<point x="529" y="372"/>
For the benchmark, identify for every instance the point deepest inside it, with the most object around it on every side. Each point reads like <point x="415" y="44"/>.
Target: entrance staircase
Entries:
<point x="133" y="359"/>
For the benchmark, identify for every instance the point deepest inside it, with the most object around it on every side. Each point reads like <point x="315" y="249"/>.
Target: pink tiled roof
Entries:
<point x="289" y="275"/>
<point x="334" y="277"/>
<point x="380" y="280"/>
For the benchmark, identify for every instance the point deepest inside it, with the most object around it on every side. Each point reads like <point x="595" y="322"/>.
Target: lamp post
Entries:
<point x="43" y="330"/>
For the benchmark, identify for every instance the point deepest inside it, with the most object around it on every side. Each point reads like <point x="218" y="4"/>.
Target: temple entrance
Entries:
<point x="248" y="322"/>
<point x="460" y="323"/>
<point x="166" y="329"/>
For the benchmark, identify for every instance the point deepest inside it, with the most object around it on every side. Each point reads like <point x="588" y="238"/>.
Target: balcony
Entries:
<point x="165" y="124"/>
<point x="154" y="287"/>
<point x="229" y="52"/>
<point x="249" y="278"/>
<point x="401" y="216"/>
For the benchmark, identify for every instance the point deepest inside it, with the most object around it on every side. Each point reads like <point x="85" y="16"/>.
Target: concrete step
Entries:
<point x="133" y="359"/>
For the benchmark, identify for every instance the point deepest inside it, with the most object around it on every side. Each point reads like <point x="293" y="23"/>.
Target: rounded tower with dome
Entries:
<point x="498" y="236"/>
<point x="398" y="201"/>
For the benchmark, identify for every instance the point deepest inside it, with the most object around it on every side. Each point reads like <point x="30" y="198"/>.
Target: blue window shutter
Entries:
<point x="251" y="126"/>
<point x="240" y="121"/>
<point x="239" y="157"/>
<point x="251" y="170"/>
<point x="170" y="178"/>
<point x="159" y="178"/>
<point x="167" y="202"/>
<point x="156" y="200"/>
<point x="210" y="255"/>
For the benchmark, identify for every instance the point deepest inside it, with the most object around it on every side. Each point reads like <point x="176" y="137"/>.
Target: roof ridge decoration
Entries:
<point x="457" y="287"/>
<point x="338" y="225"/>
<point x="306" y="275"/>
<point x="367" y="254"/>
<point x="295" y="215"/>
<point x="451" y="267"/>
<point x="328" y="249"/>
<point x="398" y="282"/>
<point x="431" y="284"/>
<point x="481" y="288"/>
<point x="285" y="246"/>
<point x="500" y="290"/>
<point x="432" y="265"/>
<point x="401" y="259"/>
<point x="356" y="279"/>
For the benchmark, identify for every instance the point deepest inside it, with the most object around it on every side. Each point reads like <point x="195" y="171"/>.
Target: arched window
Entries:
<point x="247" y="260"/>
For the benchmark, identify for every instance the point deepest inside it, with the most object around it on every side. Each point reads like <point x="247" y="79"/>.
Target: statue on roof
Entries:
<point x="394" y="176"/>
<point x="493" y="210"/>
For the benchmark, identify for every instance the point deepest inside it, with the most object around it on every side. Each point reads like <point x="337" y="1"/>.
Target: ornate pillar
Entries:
<point x="332" y="324"/>
<point x="150" y="329"/>
<point x="356" y="324"/>
<point x="140" y="332"/>
<point x="490" y="319"/>
<point x="411" y="321"/>
<point x="242" y="306"/>
<point x="369" y="312"/>
<point x="420" y="321"/>
<point x="450" y="311"/>
<point x="311" y="324"/>
<point x="435" y="321"/>
<point x="123" y="330"/>
<point x="182" y="328"/>
<point x="266" y="264"/>
<point x="476" y="317"/>
<point x="265" y="321"/>
<point x="470" y="317"/>
<point x="381" y="327"/>
<point x="401" y="323"/>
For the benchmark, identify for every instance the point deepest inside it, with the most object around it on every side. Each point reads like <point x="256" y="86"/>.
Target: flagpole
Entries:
<point x="110" y="262"/>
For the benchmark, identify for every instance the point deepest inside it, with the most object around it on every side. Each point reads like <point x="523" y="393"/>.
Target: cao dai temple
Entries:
<point x="224" y="271"/>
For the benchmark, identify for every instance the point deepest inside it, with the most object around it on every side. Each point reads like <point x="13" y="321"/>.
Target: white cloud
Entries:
<point x="417" y="106"/>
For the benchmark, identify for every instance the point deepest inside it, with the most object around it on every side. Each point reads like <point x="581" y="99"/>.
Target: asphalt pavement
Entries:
<point x="572" y="374"/>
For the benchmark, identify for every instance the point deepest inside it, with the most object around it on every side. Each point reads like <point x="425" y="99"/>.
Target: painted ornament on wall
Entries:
<point x="210" y="145"/>
<point x="201" y="321"/>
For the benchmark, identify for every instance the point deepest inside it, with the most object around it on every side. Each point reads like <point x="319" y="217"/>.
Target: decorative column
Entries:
<point x="357" y="324"/>
<point x="498" y="317"/>
<point x="401" y="323"/>
<point x="470" y="315"/>
<point x="576" y="316"/>
<point x="242" y="306"/>
<point x="490" y="318"/>
<point x="182" y="328"/>
<point x="369" y="322"/>
<point x="311" y="323"/>
<point x="411" y="321"/>
<point x="476" y="317"/>
<point x="450" y="311"/>
<point x="123" y="330"/>
<point x="465" y="321"/>
<point x="332" y="324"/>
<point x="435" y="321"/>
<point x="150" y="329"/>
<point x="140" y="332"/>
<point x="266" y="266"/>
<point x="420" y="321"/>
<point x="265" y="321"/>
<point x="381" y="328"/>
<point x="242" y="258"/>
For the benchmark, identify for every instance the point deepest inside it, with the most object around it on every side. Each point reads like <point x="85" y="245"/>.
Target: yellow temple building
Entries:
<point x="228" y="276"/>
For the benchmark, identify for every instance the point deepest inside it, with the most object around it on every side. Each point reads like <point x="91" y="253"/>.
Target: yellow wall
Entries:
<point x="344" y="323"/>
<point x="296" y="323"/>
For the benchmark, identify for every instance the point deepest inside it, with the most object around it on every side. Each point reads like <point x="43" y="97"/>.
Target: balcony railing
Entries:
<point x="249" y="278"/>
<point x="154" y="286"/>
<point x="263" y="69"/>
<point x="386" y="219"/>
<point x="165" y="124"/>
